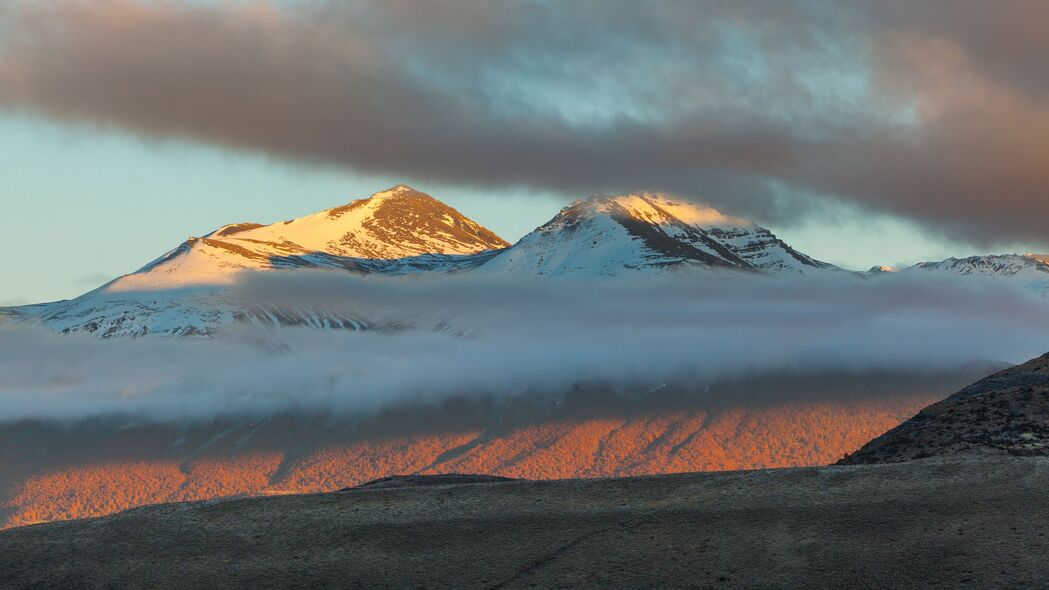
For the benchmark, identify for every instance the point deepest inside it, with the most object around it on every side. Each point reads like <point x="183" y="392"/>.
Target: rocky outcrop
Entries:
<point x="1005" y="414"/>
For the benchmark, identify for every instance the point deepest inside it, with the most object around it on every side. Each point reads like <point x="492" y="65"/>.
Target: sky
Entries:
<point x="861" y="133"/>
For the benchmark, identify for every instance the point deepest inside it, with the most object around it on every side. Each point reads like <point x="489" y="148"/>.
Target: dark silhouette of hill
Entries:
<point x="920" y="524"/>
<point x="1004" y="414"/>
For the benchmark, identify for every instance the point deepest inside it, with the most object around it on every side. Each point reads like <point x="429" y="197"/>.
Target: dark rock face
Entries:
<point x="1006" y="413"/>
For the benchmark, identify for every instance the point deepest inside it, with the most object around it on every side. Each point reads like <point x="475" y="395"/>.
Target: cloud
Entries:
<point x="93" y="279"/>
<point x="916" y="109"/>
<point x="742" y="340"/>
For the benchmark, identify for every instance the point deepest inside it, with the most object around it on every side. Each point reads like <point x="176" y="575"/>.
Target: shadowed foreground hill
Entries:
<point x="910" y="525"/>
<point x="1004" y="414"/>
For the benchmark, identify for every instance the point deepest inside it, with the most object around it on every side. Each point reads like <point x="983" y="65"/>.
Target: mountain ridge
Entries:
<point x="395" y="224"/>
<point x="401" y="231"/>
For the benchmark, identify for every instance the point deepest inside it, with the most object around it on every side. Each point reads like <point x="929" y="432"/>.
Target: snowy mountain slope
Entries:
<point x="396" y="230"/>
<point x="186" y="291"/>
<point x="10" y="314"/>
<point x="1030" y="270"/>
<point x="607" y="236"/>
<point x="193" y="311"/>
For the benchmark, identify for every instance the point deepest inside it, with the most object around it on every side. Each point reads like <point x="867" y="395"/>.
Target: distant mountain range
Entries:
<point x="402" y="231"/>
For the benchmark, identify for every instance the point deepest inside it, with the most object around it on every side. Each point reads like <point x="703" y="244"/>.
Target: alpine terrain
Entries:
<point x="184" y="292"/>
<point x="605" y="236"/>
<point x="1028" y="270"/>
<point x="401" y="231"/>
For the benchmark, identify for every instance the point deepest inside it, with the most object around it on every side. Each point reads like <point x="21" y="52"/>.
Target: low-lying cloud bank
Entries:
<point x="483" y="336"/>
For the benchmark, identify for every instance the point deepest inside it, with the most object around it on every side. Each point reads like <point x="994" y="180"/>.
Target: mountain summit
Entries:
<point x="395" y="224"/>
<point x="649" y="232"/>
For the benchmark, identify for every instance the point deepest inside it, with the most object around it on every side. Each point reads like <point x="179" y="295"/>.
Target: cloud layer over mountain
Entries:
<point x="935" y="110"/>
<point x="513" y="338"/>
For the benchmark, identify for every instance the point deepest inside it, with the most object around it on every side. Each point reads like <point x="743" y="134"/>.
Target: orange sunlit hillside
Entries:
<point x="151" y="464"/>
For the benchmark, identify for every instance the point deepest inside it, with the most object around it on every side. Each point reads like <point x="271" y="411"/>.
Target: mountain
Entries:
<point x="878" y="270"/>
<point x="609" y="236"/>
<point x="185" y="291"/>
<point x="400" y="230"/>
<point x="1033" y="266"/>
<point x="1030" y="271"/>
<point x="1004" y="414"/>
<point x="394" y="230"/>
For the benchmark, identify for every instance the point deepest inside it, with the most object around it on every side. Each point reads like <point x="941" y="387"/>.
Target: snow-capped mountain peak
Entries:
<point x="184" y="292"/>
<point x="660" y="209"/>
<point x="990" y="265"/>
<point x="396" y="224"/>
<point x="1031" y="271"/>
<point x="607" y="236"/>
<point x="400" y="230"/>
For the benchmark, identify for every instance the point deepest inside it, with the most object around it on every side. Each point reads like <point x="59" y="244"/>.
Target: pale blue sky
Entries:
<point x="82" y="205"/>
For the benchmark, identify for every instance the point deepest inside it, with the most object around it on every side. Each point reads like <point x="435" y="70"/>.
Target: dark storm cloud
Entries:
<point x="934" y="110"/>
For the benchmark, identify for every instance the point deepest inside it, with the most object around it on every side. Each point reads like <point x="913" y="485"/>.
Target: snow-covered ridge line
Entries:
<point x="186" y="292"/>
<point x="1031" y="272"/>
<point x="990" y="265"/>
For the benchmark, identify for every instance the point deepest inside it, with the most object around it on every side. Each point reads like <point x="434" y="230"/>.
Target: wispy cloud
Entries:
<point x="93" y="279"/>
